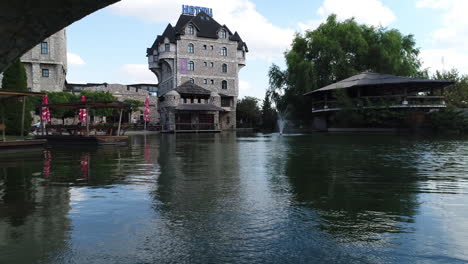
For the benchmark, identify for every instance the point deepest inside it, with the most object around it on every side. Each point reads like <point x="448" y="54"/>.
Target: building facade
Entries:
<point x="46" y="64"/>
<point x="197" y="63"/>
<point x="123" y="92"/>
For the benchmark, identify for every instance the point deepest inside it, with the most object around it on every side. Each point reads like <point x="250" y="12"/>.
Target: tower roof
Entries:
<point x="206" y="27"/>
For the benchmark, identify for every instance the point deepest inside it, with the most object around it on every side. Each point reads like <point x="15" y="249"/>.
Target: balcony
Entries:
<point x="377" y="102"/>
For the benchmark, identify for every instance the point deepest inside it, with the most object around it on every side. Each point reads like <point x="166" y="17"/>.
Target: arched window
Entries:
<point x="191" y="48"/>
<point x="224" y="84"/>
<point x="223" y="34"/>
<point x="190" y="30"/>
<point x="191" y="66"/>
<point x="192" y="80"/>
<point x="224" y="68"/>
<point x="224" y="51"/>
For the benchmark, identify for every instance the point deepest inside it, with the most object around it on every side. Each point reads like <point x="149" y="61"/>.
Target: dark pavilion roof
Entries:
<point x="191" y="88"/>
<point x="379" y="79"/>
<point x="206" y="27"/>
<point x="199" y="107"/>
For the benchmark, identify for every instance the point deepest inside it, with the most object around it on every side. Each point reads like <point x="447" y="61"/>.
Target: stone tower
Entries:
<point x="200" y="59"/>
<point x="46" y="64"/>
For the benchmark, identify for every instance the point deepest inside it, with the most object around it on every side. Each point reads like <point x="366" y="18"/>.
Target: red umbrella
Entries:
<point x="147" y="109"/>
<point x="83" y="115"/>
<point x="45" y="110"/>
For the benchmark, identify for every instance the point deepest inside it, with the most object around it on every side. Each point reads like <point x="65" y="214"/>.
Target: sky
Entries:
<point x="110" y="44"/>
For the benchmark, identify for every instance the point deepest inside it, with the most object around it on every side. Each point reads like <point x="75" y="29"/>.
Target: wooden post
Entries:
<point x="3" y="123"/>
<point x="120" y="122"/>
<point x="87" y="121"/>
<point x="22" y="116"/>
<point x="42" y="124"/>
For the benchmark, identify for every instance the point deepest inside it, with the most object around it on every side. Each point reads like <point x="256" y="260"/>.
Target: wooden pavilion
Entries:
<point x="18" y="96"/>
<point x="78" y="134"/>
<point x="376" y="91"/>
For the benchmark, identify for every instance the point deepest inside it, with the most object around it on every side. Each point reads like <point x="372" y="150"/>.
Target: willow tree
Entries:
<point x="335" y="51"/>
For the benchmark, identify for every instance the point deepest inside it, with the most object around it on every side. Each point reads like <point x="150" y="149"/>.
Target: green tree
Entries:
<point x="59" y="98"/>
<point x="248" y="113"/>
<point x="335" y="51"/>
<point x="268" y="114"/>
<point x="14" y="78"/>
<point x="456" y="95"/>
<point x="99" y="96"/>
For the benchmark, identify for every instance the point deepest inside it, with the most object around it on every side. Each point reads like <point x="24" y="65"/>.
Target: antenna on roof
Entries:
<point x="194" y="10"/>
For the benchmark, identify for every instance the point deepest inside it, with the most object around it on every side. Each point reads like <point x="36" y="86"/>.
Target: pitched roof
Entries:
<point x="378" y="79"/>
<point x="199" y="107"/>
<point x="206" y="26"/>
<point x="191" y="88"/>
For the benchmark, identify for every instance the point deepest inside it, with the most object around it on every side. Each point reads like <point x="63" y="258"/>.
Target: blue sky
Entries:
<point x="110" y="45"/>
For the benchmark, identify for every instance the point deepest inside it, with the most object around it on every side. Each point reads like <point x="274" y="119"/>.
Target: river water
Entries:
<point x="239" y="199"/>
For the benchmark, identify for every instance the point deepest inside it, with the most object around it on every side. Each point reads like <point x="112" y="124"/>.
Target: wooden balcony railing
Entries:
<point x="394" y="101"/>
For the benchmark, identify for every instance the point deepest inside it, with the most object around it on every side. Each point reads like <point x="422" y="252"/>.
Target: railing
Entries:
<point x="196" y="126"/>
<point x="393" y="101"/>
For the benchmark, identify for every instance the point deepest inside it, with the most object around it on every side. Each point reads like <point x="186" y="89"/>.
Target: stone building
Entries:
<point x="122" y="92"/>
<point x="46" y="64"/>
<point x="197" y="63"/>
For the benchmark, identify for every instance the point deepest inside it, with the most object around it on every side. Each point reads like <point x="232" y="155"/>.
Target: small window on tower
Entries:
<point x="191" y="48"/>
<point x="224" y="68"/>
<point x="224" y="51"/>
<point x="191" y="66"/>
<point x="45" y="72"/>
<point x="44" y="48"/>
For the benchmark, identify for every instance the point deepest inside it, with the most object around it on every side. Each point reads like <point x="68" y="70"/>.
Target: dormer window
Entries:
<point x="191" y="48"/>
<point x="167" y="47"/>
<point x="223" y="34"/>
<point x="190" y="30"/>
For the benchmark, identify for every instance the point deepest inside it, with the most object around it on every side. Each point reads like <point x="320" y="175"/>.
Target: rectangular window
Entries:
<point x="205" y="81"/>
<point x="205" y="63"/>
<point x="45" y="72"/>
<point x="212" y="81"/>
<point x="199" y="100"/>
<point x="167" y="47"/>
<point x="225" y="102"/>
<point x="211" y="64"/>
<point x="44" y="48"/>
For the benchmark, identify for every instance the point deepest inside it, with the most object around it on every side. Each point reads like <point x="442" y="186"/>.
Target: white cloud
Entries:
<point x="449" y="40"/>
<point x="74" y="59"/>
<point x="264" y="39"/>
<point x="370" y="12"/>
<point x="135" y="73"/>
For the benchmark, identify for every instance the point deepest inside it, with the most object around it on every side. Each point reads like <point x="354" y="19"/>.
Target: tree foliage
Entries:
<point x="134" y="104"/>
<point x="248" y="113"/>
<point x="335" y="51"/>
<point x="456" y="95"/>
<point x="99" y="96"/>
<point x="268" y="114"/>
<point x="14" y="78"/>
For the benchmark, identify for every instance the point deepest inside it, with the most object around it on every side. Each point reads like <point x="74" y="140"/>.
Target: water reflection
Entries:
<point x="246" y="199"/>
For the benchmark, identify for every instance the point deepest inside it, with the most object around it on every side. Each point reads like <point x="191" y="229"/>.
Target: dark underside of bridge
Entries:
<point x="25" y="23"/>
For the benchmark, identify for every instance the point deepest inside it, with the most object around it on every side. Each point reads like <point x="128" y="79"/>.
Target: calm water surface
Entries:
<point x="243" y="199"/>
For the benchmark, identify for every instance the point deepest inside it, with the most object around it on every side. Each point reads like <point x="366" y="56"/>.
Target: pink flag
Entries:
<point x="45" y="110"/>
<point x="147" y="110"/>
<point x="83" y="115"/>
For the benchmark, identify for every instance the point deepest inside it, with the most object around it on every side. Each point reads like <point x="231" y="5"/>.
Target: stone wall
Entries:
<point x="55" y="61"/>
